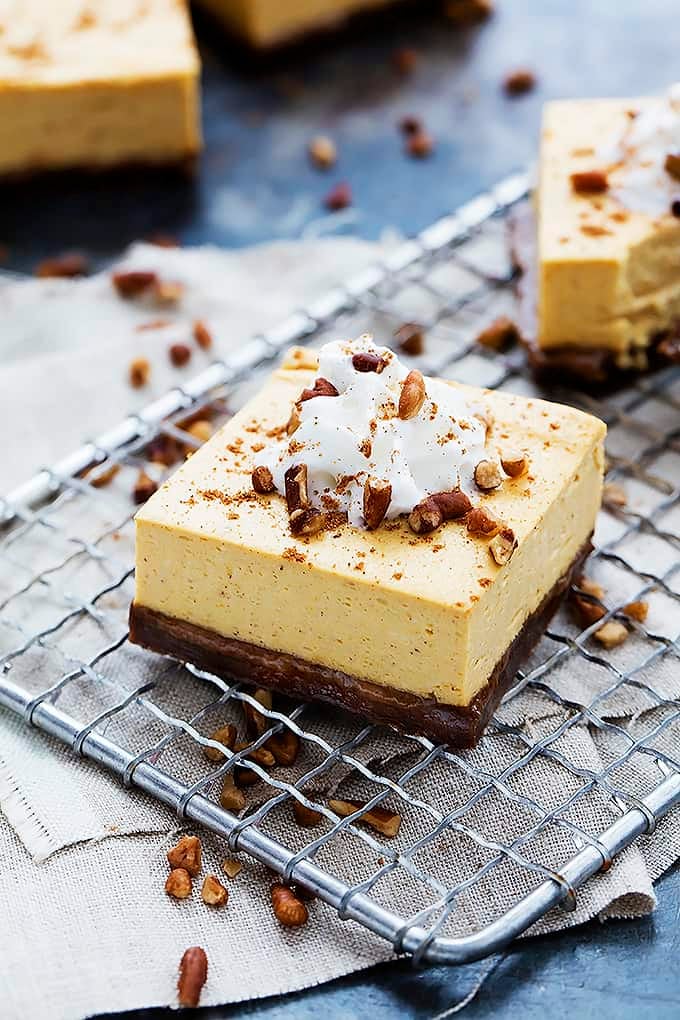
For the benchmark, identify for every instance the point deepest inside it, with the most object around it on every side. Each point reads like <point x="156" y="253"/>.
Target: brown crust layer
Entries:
<point x="448" y="724"/>
<point x="594" y="366"/>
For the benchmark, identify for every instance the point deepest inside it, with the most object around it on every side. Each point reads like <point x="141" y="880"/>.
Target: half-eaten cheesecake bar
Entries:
<point x="601" y="290"/>
<point x="363" y="535"/>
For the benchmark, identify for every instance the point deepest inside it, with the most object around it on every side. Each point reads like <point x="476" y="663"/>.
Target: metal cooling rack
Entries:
<point x="67" y="669"/>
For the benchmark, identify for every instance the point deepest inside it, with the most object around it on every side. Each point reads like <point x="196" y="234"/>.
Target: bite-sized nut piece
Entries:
<point x="321" y="388"/>
<point x="144" y="488"/>
<point x="611" y="634"/>
<point x="131" y="283"/>
<point x="589" y="182"/>
<point x="224" y="735"/>
<point x="672" y="164"/>
<point x="339" y="197"/>
<point x="179" y="354"/>
<point x="503" y="545"/>
<point x="168" y="292"/>
<point x="231" y="867"/>
<point x="453" y="504"/>
<point x="410" y="338"/>
<point x="202" y="335"/>
<point x="479" y="522"/>
<point x="425" y="517"/>
<point x="186" y="854"/>
<point x="262" y="480"/>
<point x="409" y="124"/>
<point x="499" y="334"/>
<point x="102" y="478"/>
<point x="178" y="884"/>
<point x="513" y="463"/>
<point x="285" y="746"/>
<point x="295" y="480"/>
<point x="306" y="817"/>
<point x="367" y="362"/>
<point x="193" y="974"/>
<point x="231" y="798"/>
<point x="164" y="449"/>
<point x="487" y="475"/>
<point x="468" y="12"/>
<point x="213" y="892"/>
<point x="383" y="821"/>
<point x="262" y="755"/>
<point x="256" y="722"/>
<point x="637" y="610"/>
<point x="412" y="396"/>
<point x="420" y="145"/>
<point x="519" y="81"/>
<point x="201" y="430"/>
<point x="66" y="266"/>
<point x="587" y="612"/>
<point x="307" y="521"/>
<point x="377" y="496"/>
<point x="288" y="909"/>
<point x="591" y="587"/>
<point x="294" y="421"/>
<point x="139" y="372"/>
<point x="322" y="152"/>
<point x="613" y="495"/>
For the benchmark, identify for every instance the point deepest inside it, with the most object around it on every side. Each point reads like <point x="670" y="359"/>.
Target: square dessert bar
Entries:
<point x="269" y="23"/>
<point x="602" y="290"/>
<point x="95" y="84"/>
<point x="273" y="556"/>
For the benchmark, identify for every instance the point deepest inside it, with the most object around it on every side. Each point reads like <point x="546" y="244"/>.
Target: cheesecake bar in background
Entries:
<point x="269" y="23"/>
<point x="600" y="292"/>
<point x="392" y="544"/>
<point x="97" y="83"/>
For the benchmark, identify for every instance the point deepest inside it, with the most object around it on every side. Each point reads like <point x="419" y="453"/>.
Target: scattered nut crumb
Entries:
<point x="231" y="867"/>
<point x="139" y="372"/>
<point x="231" y="798"/>
<point x="102" y="479"/>
<point x="513" y="463"/>
<point x="202" y="335"/>
<point x="178" y="884"/>
<point x="589" y="182"/>
<point x="186" y="854"/>
<point x="288" y="909"/>
<point x="519" y="82"/>
<point x="131" y="283"/>
<point x="637" y="610"/>
<point x="262" y="480"/>
<point x="306" y="817"/>
<point x="322" y="152"/>
<point x="144" y="488"/>
<point x="193" y="974"/>
<point x="502" y="546"/>
<point x="420" y="145"/>
<point x="479" y="522"/>
<point x="339" y="197"/>
<point x="223" y="735"/>
<point x="383" y="821"/>
<point x="611" y="634"/>
<point x="201" y="430"/>
<point x="487" y="475"/>
<point x="213" y="892"/>
<point x="591" y="587"/>
<point x="499" y="335"/>
<point x="168" y="292"/>
<point x="614" y="495"/>
<point x="410" y="338"/>
<point x="179" y="354"/>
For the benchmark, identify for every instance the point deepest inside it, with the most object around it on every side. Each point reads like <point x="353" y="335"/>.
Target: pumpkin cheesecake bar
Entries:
<point x="366" y="536"/>
<point x="96" y="83"/>
<point x="601" y="291"/>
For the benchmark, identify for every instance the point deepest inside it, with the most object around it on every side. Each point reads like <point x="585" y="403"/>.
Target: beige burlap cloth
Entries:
<point x="86" y="926"/>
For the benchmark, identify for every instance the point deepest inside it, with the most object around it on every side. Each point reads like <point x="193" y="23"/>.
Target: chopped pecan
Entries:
<point x="99" y="478"/>
<point x="321" y="388"/>
<point x="231" y="798"/>
<point x="377" y="496"/>
<point x="412" y="396"/>
<point x="178" y="884"/>
<point x="295" y="480"/>
<point x="307" y="521"/>
<point x="591" y="587"/>
<point x="589" y="182"/>
<point x="193" y="974"/>
<point x="322" y="152"/>
<point x="672" y="164"/>
<point x="453" y="504"/>
<point x="131" y="283"/>
<point x="213" y="892"/>
<point x="293" y="423"/>
<point x="339" y="197"/>
<point x="256" y="723"/>
<point x="306" y="817"/>
<point x="519" y="81"/>
<point x="386" y="822"/>
<point x="614" y="495"/>
<point x="611" y="634"/>
<point x="144" y="488"/>
<point x="179" y="354"/>
<point x="637" y="610"/>
<point x="499" y="334"/>
<point x="202" y="335"/>
<point x="586" y="611"/>
<point x="487" y="475"/>
<point x="420" y="145"/>
<point x="285" y="746"/>
<point x="262" y="480"/>
<point x="513" y="463"/>
<point x="186" y="854"/>
<point x="367" y="362"/>
<point x="410" y="338"/>
<point x="503" y="545"/>
<point x="231" y="867"/>
<point x="201" y="429"/>
<point x="224" y="735"/>
<point x="479" y="522"/>
<point x="168" y="292"/>
<point x="425" y="517"/>
<point x="289" y="910"/>
<point x="139" y="372"/>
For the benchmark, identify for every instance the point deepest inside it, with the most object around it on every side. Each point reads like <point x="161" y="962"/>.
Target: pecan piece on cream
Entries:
<point x="412" y="396"/>
<point x="296" y="487"/>
<point x="672" y="164"/>
<point x="479" y="522"/>
<point x="377" y="496"/>
<point x="503" y="545"/>
<point x="425" y="517"/>
<point x="589" y="182"/>
<point x="487" y="475"/>
<point x="131" y="283"/>
<point x="453" y="504"/>
<point x="262" y="480"/>
<point x="513" y="463"/>
<point x="364" y="361"/>
<point x="321" y="388"/>
<point x="307" y="521"/>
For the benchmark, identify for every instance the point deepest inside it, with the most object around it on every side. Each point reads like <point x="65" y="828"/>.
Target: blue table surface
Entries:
<point x="255" y="183"/>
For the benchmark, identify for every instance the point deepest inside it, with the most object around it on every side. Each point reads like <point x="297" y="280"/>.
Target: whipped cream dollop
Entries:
<point x="640" y="180"/>
<point x="343" y="440"/>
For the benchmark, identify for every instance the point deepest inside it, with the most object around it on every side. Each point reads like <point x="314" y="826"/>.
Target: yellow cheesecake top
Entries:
<point x="55" y="42"/>
<point x="211" y="495"/>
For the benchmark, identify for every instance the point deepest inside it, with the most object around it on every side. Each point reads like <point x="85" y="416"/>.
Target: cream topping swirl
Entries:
<point x="640" y="182"/>
<point x="345" y="439"/>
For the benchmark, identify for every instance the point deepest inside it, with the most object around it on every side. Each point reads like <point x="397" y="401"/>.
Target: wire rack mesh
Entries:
<point x="602" y="726"/>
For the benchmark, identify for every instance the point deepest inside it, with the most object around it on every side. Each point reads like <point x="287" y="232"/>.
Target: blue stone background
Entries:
<point x="255" y="183"/>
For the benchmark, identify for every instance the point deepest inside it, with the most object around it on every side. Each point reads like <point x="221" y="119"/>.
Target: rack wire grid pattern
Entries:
<point x="63" y="524"/>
